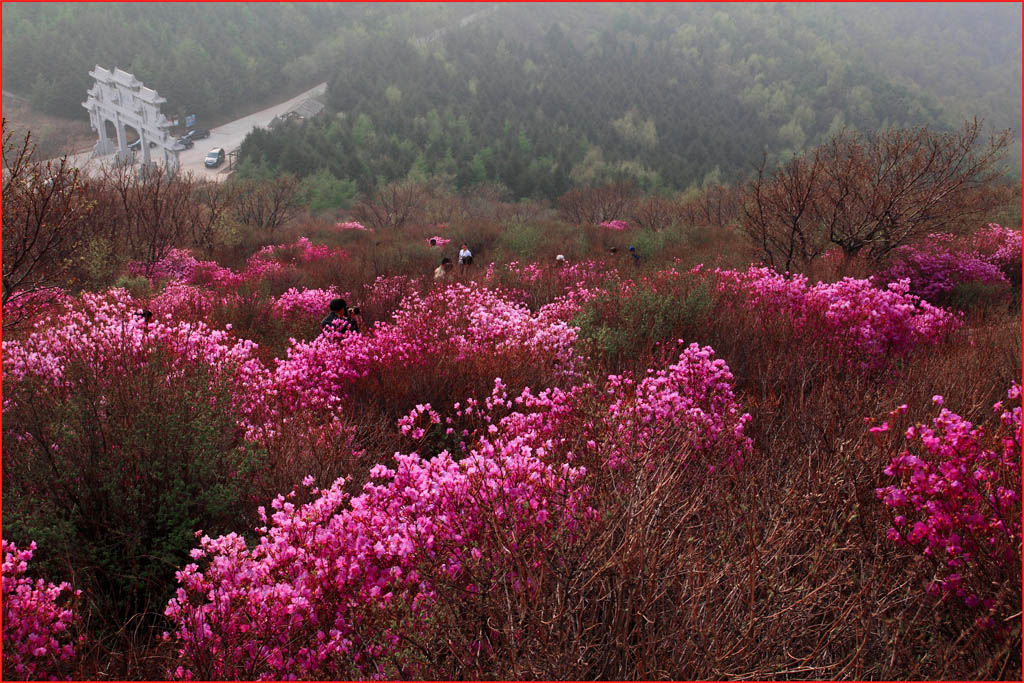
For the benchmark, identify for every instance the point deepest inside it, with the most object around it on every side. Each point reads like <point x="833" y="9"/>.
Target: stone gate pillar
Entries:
<point x="121" y="98"/>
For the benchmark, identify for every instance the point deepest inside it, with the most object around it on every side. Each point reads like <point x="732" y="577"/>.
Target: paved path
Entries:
<point x="229" y="136"/>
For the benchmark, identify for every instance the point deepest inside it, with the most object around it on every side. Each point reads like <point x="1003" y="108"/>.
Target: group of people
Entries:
<point x="344" y="319"/>
<point x="445" y="270"/>
<point x="632" y="252"/>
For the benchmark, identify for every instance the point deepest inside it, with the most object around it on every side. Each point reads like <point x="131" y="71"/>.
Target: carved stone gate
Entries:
<point x="121" y="98"/>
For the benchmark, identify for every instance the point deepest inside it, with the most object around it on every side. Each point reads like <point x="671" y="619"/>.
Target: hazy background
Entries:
<point x="535" y="97"/>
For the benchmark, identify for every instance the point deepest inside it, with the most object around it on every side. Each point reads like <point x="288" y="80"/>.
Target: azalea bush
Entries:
<point x="955" y="499"/>
<point x="306" y="304"/>
<point x="451" y="342"/>
<point x="1001" y="247"/>
<point x="867" y="326"/>
<point x="40" y="628"/>
<point x="941" y="266"/>
<point x="121" y="437"/>
<point x="349" y="582"/>
<point x="302" y="250"/>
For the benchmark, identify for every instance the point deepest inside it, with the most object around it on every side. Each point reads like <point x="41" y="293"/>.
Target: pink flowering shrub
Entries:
<point x="341" y="587"/>
<point x="452" y="341"/>
<point x="938" y="266"/>
<point x="686" y="411"/>
<point x="693" y="396"/>
<point x="106" y="332"/>
<point x="121" y="435"/>
<point x="176" y="265"/>
<point x="999" y="245"/>
<point x="29" y="307"/>
<point x="352" y="225"/>
<point x="38" y="626"/>
<point x="305" y="304"/>
<point x="272" y="267"/>
<point x="302" y="251"/>
<point x="212" y="274"/>
<point x="438" y="240"/>
<point x="865" y="325"/>
<point x="540" y="284"/>
<point x="338" y="587"/>
<point x="615" y="225"/>
<point x="955" y="499"/>
<point x="186" y="302"/>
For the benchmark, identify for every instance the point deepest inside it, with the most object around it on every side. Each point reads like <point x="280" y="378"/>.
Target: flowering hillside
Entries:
<point x="591" y="468"/>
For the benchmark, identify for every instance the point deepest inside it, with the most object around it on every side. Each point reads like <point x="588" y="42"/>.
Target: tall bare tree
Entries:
<point x="43" y="210"/>
<point x="779" y="216"/>
<point x="392" y="206"/>
<point x="597" y="204"/>
<point x="214" y="202"/>
<point x="871" y="194"/>
<point x="267" y="204"/>
<point x="155" y="209"/>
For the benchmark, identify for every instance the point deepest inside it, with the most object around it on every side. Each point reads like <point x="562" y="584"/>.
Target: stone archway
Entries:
<point x="130" y="134"/>
<point x="111" y="131"/>
<point x="121" y="99"/>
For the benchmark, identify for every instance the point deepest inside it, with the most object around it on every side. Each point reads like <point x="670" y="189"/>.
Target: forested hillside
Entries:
<point x="208" y="58"/>
<point x="541" y="99"/>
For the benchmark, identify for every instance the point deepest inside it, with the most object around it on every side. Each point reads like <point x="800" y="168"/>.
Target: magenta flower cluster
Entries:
<point x="998" y="245"/>
<point x="615" y="225"/>
<point x="272" y="261"/>
<point x="176" y="265"/>
<point x="692" y="396"/>
<point x="459" y="324"/>
<point x="308" y="598"/>
<point x="940" y="264"/>
<point x="867" y="325"/>
<point x="438" y="240"/>
<point x="956" y="500"/>
<point x="38" y="631"/>
<point x="181" y="301"/>
<point x="305" y="304"/>
<point x="301" y="250"/>
<point x="106" y="332"/>
<point x="31" y="306"/>
<point x="301" y="602"/>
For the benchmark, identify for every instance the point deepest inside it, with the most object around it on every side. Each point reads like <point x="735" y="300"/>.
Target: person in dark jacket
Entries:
<point x="339" y="318"/>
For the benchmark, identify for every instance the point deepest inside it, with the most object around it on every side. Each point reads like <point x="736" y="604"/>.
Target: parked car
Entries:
<point x="184" y="143"/>
<point x="137" y="145"/>
<point x="197" y="134"/>
<point x="215" y="157"/>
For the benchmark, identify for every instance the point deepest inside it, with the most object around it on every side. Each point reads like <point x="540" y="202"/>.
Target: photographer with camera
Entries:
<point x="341" y="317"/>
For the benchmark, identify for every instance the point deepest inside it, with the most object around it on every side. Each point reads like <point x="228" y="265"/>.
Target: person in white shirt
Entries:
<point x="465" y="257"/>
